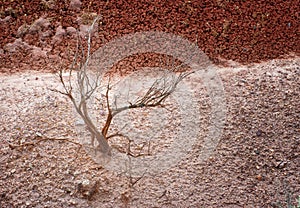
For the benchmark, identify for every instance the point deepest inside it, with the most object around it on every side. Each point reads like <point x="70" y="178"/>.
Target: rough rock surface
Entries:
<point x="243" y="31"/>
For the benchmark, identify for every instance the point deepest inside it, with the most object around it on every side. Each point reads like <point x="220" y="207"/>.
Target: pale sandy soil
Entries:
<point x="255" y="164"/>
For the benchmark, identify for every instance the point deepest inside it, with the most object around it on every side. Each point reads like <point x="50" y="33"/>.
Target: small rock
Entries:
<point x="39" y="134"/>
<point x="73" y="202"/>
<point x="77" y="172"/>
<point x="79" y="122"/>
<point x="16" y="46"/>
<point x="38" y="25"/>
<point x="85" y="182"/>
<point x="83" y="185"/>
<point x="47" y="181"/>
<point x="71" y="31"/>
<point x="22" y="30"/>
<point x="281" y="164"/>
<point x="60" y="32"/>
<point x="50" y="4"/>
<point x="259" y="133"/>
<point x="256" y="151"/>
<point x="6" y="19"/>
<point x="45" y="34"/>
<point x="38" y="53"/>
<point x="13" y="171"/>
<point x="268" y="74"/>
<point x="75" y="5"/>
<point x="259" y="177"/>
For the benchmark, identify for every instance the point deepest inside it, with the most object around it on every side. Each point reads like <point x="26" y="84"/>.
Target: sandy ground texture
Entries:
<point x="255" y="164"/>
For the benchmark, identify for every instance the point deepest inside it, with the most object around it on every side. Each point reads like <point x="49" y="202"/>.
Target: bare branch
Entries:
<point x="128" y="150"/>
<point x="13" y="146"/>
<point x="110" y="115"/>
<point x="159" y="91"/>
<point x="87" y="86"/>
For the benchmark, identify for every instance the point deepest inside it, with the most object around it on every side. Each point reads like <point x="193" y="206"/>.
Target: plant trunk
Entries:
<point x="107" y="124"/>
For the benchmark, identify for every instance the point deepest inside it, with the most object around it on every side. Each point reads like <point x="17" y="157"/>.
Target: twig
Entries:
<point x="13" y="146"/>
<point x="116" y="134"/>
<point x="128" y="151"/>
<point x="132" y="183"/>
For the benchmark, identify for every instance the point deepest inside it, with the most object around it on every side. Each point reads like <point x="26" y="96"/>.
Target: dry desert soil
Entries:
<point x="254" y="49"/>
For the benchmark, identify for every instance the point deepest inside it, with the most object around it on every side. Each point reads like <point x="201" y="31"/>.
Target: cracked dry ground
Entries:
<point x="256" y="163"/>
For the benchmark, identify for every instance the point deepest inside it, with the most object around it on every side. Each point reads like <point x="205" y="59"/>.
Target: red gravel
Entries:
<point x="244" y="31"/>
